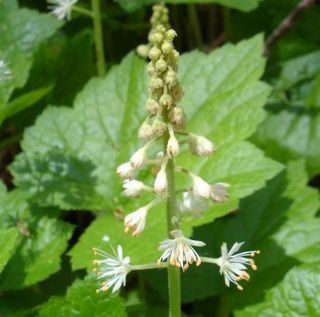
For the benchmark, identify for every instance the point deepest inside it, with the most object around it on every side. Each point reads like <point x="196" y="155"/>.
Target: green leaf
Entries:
<point x="296" y="295"/>
<point x="22" y="102"/>
<point x="242" y="5"/>
<point x="8" y="242"/>
<point x="82" y="300"/>
<point x="39" y="242"/>
<point x="292" y="131"/>
<point x="22" y="30"/>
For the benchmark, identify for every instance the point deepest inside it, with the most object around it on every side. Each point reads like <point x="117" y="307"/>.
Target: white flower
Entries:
<point x="233" y="266"/>
<point x="161" y="183"/>
<point x="200" y="145"/>
<point x="5" y="73"/>
<point x="139" y="158"/>
<point x="145" y="131"/>
<point x="61" y="9"/>
<point x="126" y="171"/>
<point x="173" y="145"/>
<point x="179" y="251"/>
<point x="136" y="220"/>
<point x="201" y="189"/>
<point x="132" y="188"/>
<point x="219" y="192"/>
<point x="191" y="204"/>
<point x="113" y="269"/>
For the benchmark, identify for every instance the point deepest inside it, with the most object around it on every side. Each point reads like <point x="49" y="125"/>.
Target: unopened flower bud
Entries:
<point x="201" y="189"/>
<point x="171" y="34"/>
<point x="172" y="146"/>
<point x="161" y="65"/>
<point x="178" y="118"/>
<point x="133" y="188"/>
<point x="160" y="183"/>
<point x="166" y="47"/>
<point x="139" y="158"/>
<point x="143" y="50"/>
<point x="126" y="171"/>
<point x="176" y="54"/>
<point x="171" y="78"/>
<point x="152" y="106"/>
<point x="176" y="93"/>
<point x="219" y="192"/>
<point x="200" y="145"/>
<point x="166" y="101"/>
<point x="158" y="127"/>
<point x="156" y="37"/>
<point x="154" y="53"/>
<point x="160" y="28"/>
<point x="145" y="131"/>
<point x="150" y="69"/>
<point x="156" y="83"/>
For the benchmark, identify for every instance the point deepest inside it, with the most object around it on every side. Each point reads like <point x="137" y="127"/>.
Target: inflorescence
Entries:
<point x="166" y="120"/>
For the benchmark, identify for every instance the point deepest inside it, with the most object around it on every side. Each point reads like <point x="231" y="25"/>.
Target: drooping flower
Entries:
<point x="61" y="9"/>
<point x="179" y="251"/>
<point x="219" y="192"/>
<point x="173" y="144"/>
<point x="133" y="188"/>
<point x="234" y="265"/>
<point x="201" y="189"/>
<point x="126" y="171"/>
<point x="5" y="72"/>
<point x="161" y="183"/>
<point x="191" y="204"/>
<point x="136" y="220"/>
<point x="200" y="145"/>
<point x="139" y="158"/>
<point x="113" y="269"/>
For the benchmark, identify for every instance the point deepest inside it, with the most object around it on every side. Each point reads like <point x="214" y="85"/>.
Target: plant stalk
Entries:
<point x="98" y="37"/>
<point x="173" y="272"/>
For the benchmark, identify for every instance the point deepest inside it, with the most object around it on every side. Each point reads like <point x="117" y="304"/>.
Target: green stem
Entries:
<point x="83" y="11"/>
<point x="223" y="307"/>
<point x="173" y="272"/>
<point x="98" y="37"/>
<point x="195" y="24"/>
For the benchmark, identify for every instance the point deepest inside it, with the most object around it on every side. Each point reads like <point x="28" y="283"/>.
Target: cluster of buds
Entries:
<point x="165" y="126"/>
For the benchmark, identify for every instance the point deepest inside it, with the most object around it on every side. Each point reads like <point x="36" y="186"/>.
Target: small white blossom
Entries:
<point x="173" y="145"/>
<point x="133" y="188"/>
<point x="112" y="268"/>
<point x="5" y="73"/>
<point x="61" y="9"/>
<point x="219" y="192"/>
<point x="126" y="171"/>
<point x="201" y="189"/>
<point x="179" y="251"/>
<point x="233" y="266"/>
<point x="191" y="204"/>
<point x="161" y="183"/>
<point x="146" y="131"/>
<point x="136" y="220"/>
<point x="139" y="158"/>
<point x="200" y="145"/>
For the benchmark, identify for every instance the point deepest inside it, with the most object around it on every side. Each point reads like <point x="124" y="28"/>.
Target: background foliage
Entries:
<point x="64" y="131"/>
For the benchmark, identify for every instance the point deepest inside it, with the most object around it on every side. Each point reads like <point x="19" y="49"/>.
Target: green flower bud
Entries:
<point x="176" y="54"/>
<point x="146" y="131"/>
<point x="156" y="83"/>
<point x="171" y="78"/>
<point x="143" y="50"/>
<point x="171" y="34"/>
<point x="160" y="28"/>
<point x="152" y="106"/>
<point x="161" y="65"/>
<point x="166" y="101"/>
<point x="156" y="38"/>
<point x="166" y="47"/>
<point x="154" y="53"/>
<point x="176" y="93"/>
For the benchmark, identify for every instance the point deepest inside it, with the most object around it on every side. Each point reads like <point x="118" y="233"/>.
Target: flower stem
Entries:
<point x="83" y="11"/>
<point x="98" y="37"/>
<point x="173" y="272"/>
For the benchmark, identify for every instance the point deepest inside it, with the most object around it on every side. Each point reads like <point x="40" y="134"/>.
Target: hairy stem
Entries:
<point x="98" y="37"/>
<point x="173" y="272"/>
<point x="287" y="24"/>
